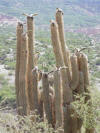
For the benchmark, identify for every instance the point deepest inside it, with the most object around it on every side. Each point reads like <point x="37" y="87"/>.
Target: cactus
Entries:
<point x="58" y="99"/>
<point x="19" y="32"/>
<point x="77" y="79"/>
<point x="35" y="89"/>
<point x="75" y="72"/>
<point x="23" y="97"/>
<point x="84" y="69"/>
<point x="46" y="100"/>
<point x="56" y="44"/>
<point x="80" y="88"/>
<point x="30" y="65"/>
<point x="70" y="77"/>
<point x="67" y="91"/>
<point x="65" y="51"/>
<point x="40" y="102"/>
<point x="90" y="131"/>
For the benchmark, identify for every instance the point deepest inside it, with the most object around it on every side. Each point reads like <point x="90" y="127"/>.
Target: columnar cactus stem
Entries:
<point x="90" y="131"/>
<point x="80" y="88"/>
<point x="56" y="44"/>
<point x="67" y="99"/>
<point x="40" y="99"/>
<point x="19" y="32"/>
<point x="65" y="51"/>
<point x="75" y="72"/>
<point x="84" y="81"/>
<point x="31" y="40"/>
<point x="30" y="65"/>
<point x="52" y="106"/>
<point x="67" y="92"/>
<point x="60" y="62"/>
<point x="35" y="89"/>
<point x="70" y="123"/>
<point x="23" y="97"/>
<point x="46" y="100"/>
<point x="84" y="69"/>
<point x="58" y="99"/>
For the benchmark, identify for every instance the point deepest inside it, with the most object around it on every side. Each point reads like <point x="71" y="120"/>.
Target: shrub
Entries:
<point x="88" y="112"/>
<point x="18" y="124"/>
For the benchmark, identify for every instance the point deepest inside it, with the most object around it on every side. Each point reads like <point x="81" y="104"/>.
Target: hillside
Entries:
<point x="77" y="13"/>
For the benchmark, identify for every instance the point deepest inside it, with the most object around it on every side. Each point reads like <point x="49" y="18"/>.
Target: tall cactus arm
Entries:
<point x="19" y="31"/>
<point x="30" y="63"/>
<point x="65" y="51"/>
<point x="23" y="97"/>
<point x="56" y="44"/>
<point x="58" y="99"/>
<point x="75" y="72"/>
<point x="35" y="89"/>
<point x="30" y="33"/>
<point x="46" y="100"/>
<point x="84" y="68"/>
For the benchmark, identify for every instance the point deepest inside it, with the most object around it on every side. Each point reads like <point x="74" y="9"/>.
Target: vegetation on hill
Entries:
<point x="77" y="13"/>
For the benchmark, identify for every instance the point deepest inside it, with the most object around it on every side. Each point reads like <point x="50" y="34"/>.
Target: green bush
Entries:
<point x="88" y="112"/>
<point x="7" y="91"/>
<point x="98" y="61"/>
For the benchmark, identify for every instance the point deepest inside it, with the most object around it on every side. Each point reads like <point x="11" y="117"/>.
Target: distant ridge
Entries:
<point x="76" y="12"/>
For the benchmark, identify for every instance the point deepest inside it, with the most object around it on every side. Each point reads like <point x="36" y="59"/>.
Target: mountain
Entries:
<point x="90" y="5"/>
<point x="77" y="13"/>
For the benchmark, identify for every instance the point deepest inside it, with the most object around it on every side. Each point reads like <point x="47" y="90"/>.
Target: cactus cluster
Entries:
<point x="70" y="77"/>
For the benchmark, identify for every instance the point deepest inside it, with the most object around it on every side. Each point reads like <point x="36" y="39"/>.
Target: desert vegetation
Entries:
<point x="56" y="68"/>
